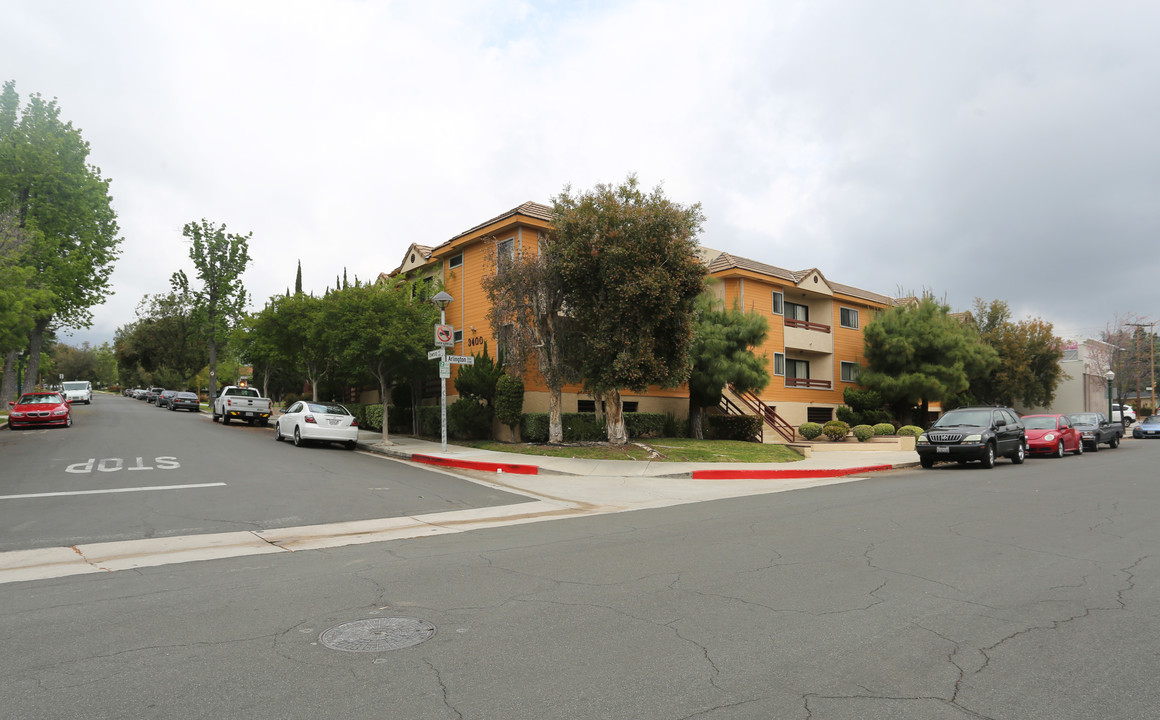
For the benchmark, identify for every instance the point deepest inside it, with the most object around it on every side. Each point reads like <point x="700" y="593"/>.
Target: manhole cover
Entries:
<point x="377" y="634"/>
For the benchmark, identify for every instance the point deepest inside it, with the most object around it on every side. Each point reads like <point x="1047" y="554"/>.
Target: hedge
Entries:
<point x="809" y="430"/>
<point x="586" y="427"/>
<point x="884" y="429"/>
<point x="909" y="431"/>
<point x="733" y="427"/>
<point x="469" y="420"/>
<point x="836" y="430"/>
<point x="862" y="432"/>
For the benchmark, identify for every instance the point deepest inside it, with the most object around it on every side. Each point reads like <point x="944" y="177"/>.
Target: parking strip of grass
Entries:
<point x="657" y="450"/>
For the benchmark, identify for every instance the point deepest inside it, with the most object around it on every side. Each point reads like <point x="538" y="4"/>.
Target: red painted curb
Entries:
<point x="783" y="474"/>
<point x="477" y="465"/>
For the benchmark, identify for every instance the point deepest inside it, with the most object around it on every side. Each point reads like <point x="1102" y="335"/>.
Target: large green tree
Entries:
<point x="20" y="297"/>
<point x="527" y="315"/>
<point x="384" y="329"/>
<point x="1028" y="370"/>
<point x="917" y="353"/>
<point x="163" y="345"/>
<point x="722" y="353"/>
<point x="63" y="205"/>
<point x="219" y="259"/>
<point x="630" y="273"/>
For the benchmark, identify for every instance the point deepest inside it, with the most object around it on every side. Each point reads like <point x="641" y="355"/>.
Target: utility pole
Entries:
<point x="1151" y="362"/>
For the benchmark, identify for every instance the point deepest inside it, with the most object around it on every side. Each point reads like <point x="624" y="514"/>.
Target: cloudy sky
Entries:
<point x="1003" y="150"/>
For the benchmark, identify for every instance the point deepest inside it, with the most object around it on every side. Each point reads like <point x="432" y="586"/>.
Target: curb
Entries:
<point x="495" y="467"/>
<point x="789" y="474"/>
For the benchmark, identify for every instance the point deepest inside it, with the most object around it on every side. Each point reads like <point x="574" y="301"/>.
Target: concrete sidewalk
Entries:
<point x="821" y="465"/>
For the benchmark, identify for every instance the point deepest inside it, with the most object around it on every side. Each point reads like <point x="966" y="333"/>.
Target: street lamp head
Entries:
<point x="1110" y="376"/>
<point x="441" y="299"/>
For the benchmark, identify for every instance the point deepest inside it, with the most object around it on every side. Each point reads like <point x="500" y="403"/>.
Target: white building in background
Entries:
<point x="1082" y="387"/>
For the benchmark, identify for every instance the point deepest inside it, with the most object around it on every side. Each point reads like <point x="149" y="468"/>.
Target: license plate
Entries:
<point x="333" y="421"/>
<point x="942" y="449"/>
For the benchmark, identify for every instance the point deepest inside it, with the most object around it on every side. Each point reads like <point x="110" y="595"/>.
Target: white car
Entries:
<point x="1124" y="411"/>
<point x="79" y="391"/>
<point x="307" y="421"/>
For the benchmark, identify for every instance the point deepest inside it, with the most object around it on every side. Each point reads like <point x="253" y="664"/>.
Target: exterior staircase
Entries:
<point x="783" y="432"/>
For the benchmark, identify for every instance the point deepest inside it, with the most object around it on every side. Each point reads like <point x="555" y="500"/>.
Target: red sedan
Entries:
<point x="1052" y="435"/>
<point x="40" y="408"/>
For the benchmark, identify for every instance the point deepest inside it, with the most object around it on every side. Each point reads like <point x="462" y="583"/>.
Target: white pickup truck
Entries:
<point x="241" y="403"/>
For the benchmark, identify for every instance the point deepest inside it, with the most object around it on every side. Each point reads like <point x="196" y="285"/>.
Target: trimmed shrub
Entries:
<point x="399" y="419"/>
<point x="372" y="418"/>
<point x="884" y="428"/>
<point x="430" y="420"/>
<point x="534" y="427"/>
<point x="583" y="427"/>
<point x="288" y="400"/>
<point x="863" y="432"/>
<point x="646" y="425"/>
<point x="909" y="431"/>
<point x="809" y="430"/>
<point x="732" y="427"/>
<point x="468" y="420"/>
<point x="836" y="430"/>
<point x="509" y="400"/>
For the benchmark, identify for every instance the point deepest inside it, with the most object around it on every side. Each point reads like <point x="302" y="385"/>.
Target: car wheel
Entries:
<point x="1079" y="448"/>
<point x="1020" y="454"/>
<point x="68" y="422"/>
<point x="988" y="461"/>
<point x="225" y="420"/>
<point x="1115" y="443"/>
<point x="1059" y="449"/>
<point x="926" y="463"/>
<point x="297" y="438"/>
<point x="1095" y="446"/>
<point x="277" y="433"/>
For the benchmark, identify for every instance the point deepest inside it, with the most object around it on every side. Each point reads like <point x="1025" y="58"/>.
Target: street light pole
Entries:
<point x="1110" y="376"/>
<point x="441" y="299"/>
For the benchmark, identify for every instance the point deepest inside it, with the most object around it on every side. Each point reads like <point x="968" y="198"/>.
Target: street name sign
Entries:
<point x="436" y="353"/>
<point x="461" y="359"/>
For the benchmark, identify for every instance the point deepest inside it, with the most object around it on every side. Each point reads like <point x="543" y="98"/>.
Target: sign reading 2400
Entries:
<point x="108" y="465"/>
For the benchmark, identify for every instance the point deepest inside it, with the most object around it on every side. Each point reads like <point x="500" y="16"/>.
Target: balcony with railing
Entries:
<point x="808" y="336"/>
<point x="808" y="383"/>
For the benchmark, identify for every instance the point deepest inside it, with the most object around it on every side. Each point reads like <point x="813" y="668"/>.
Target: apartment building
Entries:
<point x="814" y="345"/>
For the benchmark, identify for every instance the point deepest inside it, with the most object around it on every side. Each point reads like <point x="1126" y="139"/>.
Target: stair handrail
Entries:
<point x="767" y="414"/>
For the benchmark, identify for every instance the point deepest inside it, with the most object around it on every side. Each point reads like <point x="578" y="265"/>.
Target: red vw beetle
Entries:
<point x="1052" y="435"/>
<point x="40" y="408"/>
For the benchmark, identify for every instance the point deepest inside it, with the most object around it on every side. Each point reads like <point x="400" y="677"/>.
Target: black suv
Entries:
<point x="974" y="433"/>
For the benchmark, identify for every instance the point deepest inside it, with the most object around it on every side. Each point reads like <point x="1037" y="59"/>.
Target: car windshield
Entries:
<point x="1039" y="422"/>
<point x="1085" y="419"/>
<point x="328" y="409"/>
<point x="1153" y="420"/>
<point x="76" y="386"/>
<point x="52" y="399"/>
<point x="964" y="417"/>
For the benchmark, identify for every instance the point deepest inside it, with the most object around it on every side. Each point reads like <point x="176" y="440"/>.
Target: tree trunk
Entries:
<point x="35" y="343"/>
<point x="555" y="425"/>
<point x="416" y="396"/>
<point x="8" y="389"/>
<point x="696" y="421"/>
<point x="384" y="394"/>
<point x="614" y="418"/>
<point x="213" y="367"/>
<point x="313" y="388"/>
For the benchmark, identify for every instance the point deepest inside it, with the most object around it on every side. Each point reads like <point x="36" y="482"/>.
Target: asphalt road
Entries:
<point x="128" y="470"/>
<point x="1024" y="593"/>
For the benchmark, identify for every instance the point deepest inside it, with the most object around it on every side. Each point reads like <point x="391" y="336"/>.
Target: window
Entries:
<point x="455" y="261"/>
<point x="797" y="369"/>
<point x="850" y="371"/>
<point x="506" y="250"/>
<point x="848" y="318"/>
<point x="629" y="405"/>
<point x="779" y="363"/>
<point x="819" y="415"/>
<point x="458" y="336"/>
<point x="778" y="303"/>
<point x="794" y="311"/>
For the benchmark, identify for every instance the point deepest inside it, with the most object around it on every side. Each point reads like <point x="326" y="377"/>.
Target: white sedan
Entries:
<point x="323" y="422"/>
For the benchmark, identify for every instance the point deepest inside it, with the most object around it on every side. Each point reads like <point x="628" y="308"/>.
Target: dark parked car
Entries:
<point x="164" y="398"/>
<point x="1150" y="428"/>
<point x="974" y="433"/>
<point x="184" y="401"/>
<point x="1097" y="429"/>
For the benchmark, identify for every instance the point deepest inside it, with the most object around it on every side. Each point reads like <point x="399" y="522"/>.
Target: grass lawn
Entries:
<point x="658" y="449"/>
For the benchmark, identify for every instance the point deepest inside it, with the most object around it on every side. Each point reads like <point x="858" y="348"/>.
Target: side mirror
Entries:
<point x="1000" y="423"/>
<point x="11" y="403"/>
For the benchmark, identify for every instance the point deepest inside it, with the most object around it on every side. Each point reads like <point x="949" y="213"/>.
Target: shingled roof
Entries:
<point x="728" y="261"/>
<point x="535" y="210"/>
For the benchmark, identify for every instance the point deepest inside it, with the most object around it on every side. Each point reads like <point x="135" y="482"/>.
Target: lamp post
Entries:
<point x="441" y="299"/>
<point x="19" y="372"/>
<point x="1110" y="376"/>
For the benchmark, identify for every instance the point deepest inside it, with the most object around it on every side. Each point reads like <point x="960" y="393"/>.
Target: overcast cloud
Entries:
<point x="1004" y="150"/>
